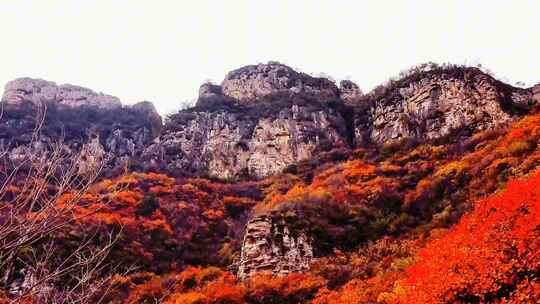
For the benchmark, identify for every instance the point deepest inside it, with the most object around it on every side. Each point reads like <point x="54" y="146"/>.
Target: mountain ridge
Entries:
<point x="264" y="118"/>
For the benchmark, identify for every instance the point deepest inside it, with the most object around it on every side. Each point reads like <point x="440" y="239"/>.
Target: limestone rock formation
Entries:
<point x="38" y="91"/>
<point x="260" y="120"/>
<point x="209" y="90"/>
<point x="265" y="117"/>
<point x="536" y="93"/>
<point x="439" y="105"/>
<point x="270" y="246"/>
<point x="95" y="124"/>
<point x="256" y="81"/>
<point x="229" y="144"/>
<point x="349" y="92"/>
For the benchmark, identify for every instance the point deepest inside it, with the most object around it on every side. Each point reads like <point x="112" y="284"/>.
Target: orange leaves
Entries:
<point x="525" y="129"/>
<point x="206" y="286"/>
<point x="293" y="288"/>
<point x="127" y="198"/>
<point x="224" y="290"/>
<point x="213" y="214"/>
<point x="353" y="171"/>
<point x="298" y="194"/>
<point x="164" y="221"/>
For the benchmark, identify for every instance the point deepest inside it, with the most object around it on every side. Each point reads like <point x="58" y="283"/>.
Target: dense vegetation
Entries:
<point x="386" y="226"/>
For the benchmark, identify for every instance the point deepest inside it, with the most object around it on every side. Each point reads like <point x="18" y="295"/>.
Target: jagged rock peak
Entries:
<point x="349" y="91"/>
<point x="209" y="94"/>
<point x="39" y="91"/>
<point x="148" y="111"/>
<point x="536" y="93"/>
<point x="436" y="104"/>
<point x="253" y="82"/>
<point x="209" y="90"/>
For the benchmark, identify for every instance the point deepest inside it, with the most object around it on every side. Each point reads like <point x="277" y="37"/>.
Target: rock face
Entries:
<point x="440" y="105"/>
<point x="270" y="246"/>
<point x="38" y="91"/>
<point x="349" y="92"/>
<point x="229" y="145"/>
<point x="94" y="124"/>
<point x="256" y="81"/>
<point x="261" y="119"/>
<point x="536" y="93"/>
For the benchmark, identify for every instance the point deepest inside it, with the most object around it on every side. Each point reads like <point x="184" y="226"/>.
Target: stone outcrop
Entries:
<point x="227" y="144"/>
<point x="209" y="90"/>
<point x="256" y="81"/>
<point x="270" y="246"/>
<point x="95" y="124"/>
<point x="261" y="119"/>
<point x="439" y="105"/>
<point x="38" y="92"/>
<point x="349" y="92"/>
<point x="536" y="93"/>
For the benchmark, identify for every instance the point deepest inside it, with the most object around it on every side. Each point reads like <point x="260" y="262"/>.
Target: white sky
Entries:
<point x="162" y="51"/>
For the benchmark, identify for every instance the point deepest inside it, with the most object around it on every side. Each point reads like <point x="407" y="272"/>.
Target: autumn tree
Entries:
<point x="38" y="194"/>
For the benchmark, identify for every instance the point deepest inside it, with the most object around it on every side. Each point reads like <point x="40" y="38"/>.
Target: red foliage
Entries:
<point x="492" y="254"/>
<point x="165" y="223"/>
<point x="394" y="200"/>
<point x="293" y="288"/>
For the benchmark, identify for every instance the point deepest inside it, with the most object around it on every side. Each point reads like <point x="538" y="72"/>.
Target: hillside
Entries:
<point x="276" y="187"/>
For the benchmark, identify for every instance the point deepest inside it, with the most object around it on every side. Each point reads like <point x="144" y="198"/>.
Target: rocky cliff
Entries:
<point x="252" y="82"/>
<point x="263" y="118"/>
<point x="260" y="119"/>
<point x="257" y="122"/>
<point x="37" y="114"/>
<point x="270" y="246"/>
<point x="438" y="104"/>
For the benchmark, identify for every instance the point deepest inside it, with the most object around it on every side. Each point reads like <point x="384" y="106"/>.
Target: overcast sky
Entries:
<point x="162" y="51"/>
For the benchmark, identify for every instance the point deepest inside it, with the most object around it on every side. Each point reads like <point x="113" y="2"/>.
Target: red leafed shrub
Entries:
<point x="291" y="289"/>
<point x="493" y="254"/>
<point x="207" y="286"/>
<point x="167" y="224"/>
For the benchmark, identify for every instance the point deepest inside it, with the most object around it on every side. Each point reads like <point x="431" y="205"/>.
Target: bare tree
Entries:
<point x="39" y="194"/>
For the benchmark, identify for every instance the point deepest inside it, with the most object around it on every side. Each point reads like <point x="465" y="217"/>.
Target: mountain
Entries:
<point x="281" y="187"/>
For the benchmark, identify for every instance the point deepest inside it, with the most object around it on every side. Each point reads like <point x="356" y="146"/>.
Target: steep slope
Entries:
<point x="437" y="103"/>
<point x="491" y="255"/>
<point x="260" y="120"/>
<point x="365" y="220"/>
